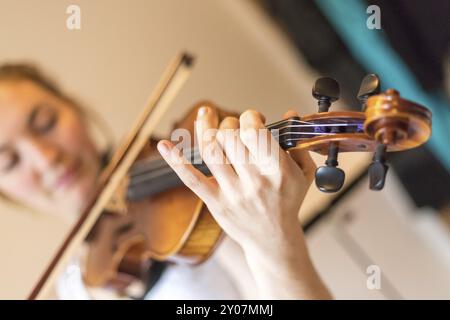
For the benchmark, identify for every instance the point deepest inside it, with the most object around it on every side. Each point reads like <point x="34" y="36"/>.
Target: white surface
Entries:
<point x="217" y="278"/>
<point x="411" y="247"/>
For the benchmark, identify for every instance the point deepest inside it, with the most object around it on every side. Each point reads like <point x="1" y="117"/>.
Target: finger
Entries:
<point x="235" y="150"/>
<point x="290" y="114"/>
<point x="302" y="157"/>
<point x="211" y="151"/>
<point x="203" y="187"/>
<point x="260" y="142"/>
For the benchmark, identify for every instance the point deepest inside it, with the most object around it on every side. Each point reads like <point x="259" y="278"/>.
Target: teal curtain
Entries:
<point x="371" y="48"/>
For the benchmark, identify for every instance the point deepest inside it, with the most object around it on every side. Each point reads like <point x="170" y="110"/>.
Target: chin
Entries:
<point x="75" y="197"/>
<point x="78" y="198"/>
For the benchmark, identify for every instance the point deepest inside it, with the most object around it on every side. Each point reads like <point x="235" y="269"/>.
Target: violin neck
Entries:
<point x="145" y="181"/>
<point x="151" y="176"/>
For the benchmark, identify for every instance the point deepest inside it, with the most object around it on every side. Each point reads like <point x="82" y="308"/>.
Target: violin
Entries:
<point x="168" y="222"/>
<point x="152" y="216"/>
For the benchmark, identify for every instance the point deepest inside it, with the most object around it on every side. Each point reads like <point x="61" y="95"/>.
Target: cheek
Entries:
<point x="73" y="137"/>
<point x="19" y="185"/>
<point x="74" y="140"/>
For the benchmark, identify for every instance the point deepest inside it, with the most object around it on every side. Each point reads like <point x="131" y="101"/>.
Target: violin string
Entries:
<point x="165" y="169"/>
<point x="287" y="120"/>
<point x="152" y="159"/>
<point x="307" y="133"/>
<point x="156" y="162"/>
<point x="296" y="121"/>
<point x="145" y="169"/>
<point x="319" y="125"/>
<point x="149" y="176"/>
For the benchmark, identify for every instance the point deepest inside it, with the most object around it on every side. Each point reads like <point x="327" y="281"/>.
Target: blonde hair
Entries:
<point x="25" y="71"/>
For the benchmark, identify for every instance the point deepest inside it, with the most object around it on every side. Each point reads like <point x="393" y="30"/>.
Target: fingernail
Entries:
<point x="202" y="111"/>
<point x="163" y="147"/>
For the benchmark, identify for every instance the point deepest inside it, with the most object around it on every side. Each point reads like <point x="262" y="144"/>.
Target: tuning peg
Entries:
<point x="325" y="90"/>
<point x="329" y="178"/>
<point x="378" y="169"/>
<point x="370" y="85"/>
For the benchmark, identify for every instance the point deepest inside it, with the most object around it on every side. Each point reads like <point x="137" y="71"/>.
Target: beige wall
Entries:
<point x="115" y="60"/>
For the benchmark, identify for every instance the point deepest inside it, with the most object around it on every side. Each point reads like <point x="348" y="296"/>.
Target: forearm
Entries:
<point x="283" y="269"/>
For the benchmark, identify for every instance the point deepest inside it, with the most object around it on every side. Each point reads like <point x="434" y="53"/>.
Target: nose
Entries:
<point x="42" y="154"/>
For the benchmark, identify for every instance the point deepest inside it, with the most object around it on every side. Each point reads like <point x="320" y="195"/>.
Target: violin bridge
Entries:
<point x="117" y="202"/>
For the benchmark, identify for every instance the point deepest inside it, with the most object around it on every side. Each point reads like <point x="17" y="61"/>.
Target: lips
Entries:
<point x="68" y="175"/>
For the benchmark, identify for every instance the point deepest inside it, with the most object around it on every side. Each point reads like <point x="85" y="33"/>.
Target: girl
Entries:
<point x="49" y="161"/>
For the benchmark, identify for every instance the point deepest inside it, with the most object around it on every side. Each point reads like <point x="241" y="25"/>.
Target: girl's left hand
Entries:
<point x="256" y="195"/>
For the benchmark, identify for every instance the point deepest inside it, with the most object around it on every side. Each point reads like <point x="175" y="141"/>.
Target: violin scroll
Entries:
<point x="388" y="123"/>
<point x="395" y="124"/>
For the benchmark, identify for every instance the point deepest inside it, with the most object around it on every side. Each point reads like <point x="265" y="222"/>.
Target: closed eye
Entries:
<point x="8" y="160"/>
<point x="42" y="119"/>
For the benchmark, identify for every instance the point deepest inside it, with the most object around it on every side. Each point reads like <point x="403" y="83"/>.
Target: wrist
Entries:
<point x="279" y="243"/>
<point x="286" y="262"/>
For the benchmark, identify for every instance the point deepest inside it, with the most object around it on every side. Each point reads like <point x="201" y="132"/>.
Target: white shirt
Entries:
<point x="225" y="275"/>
